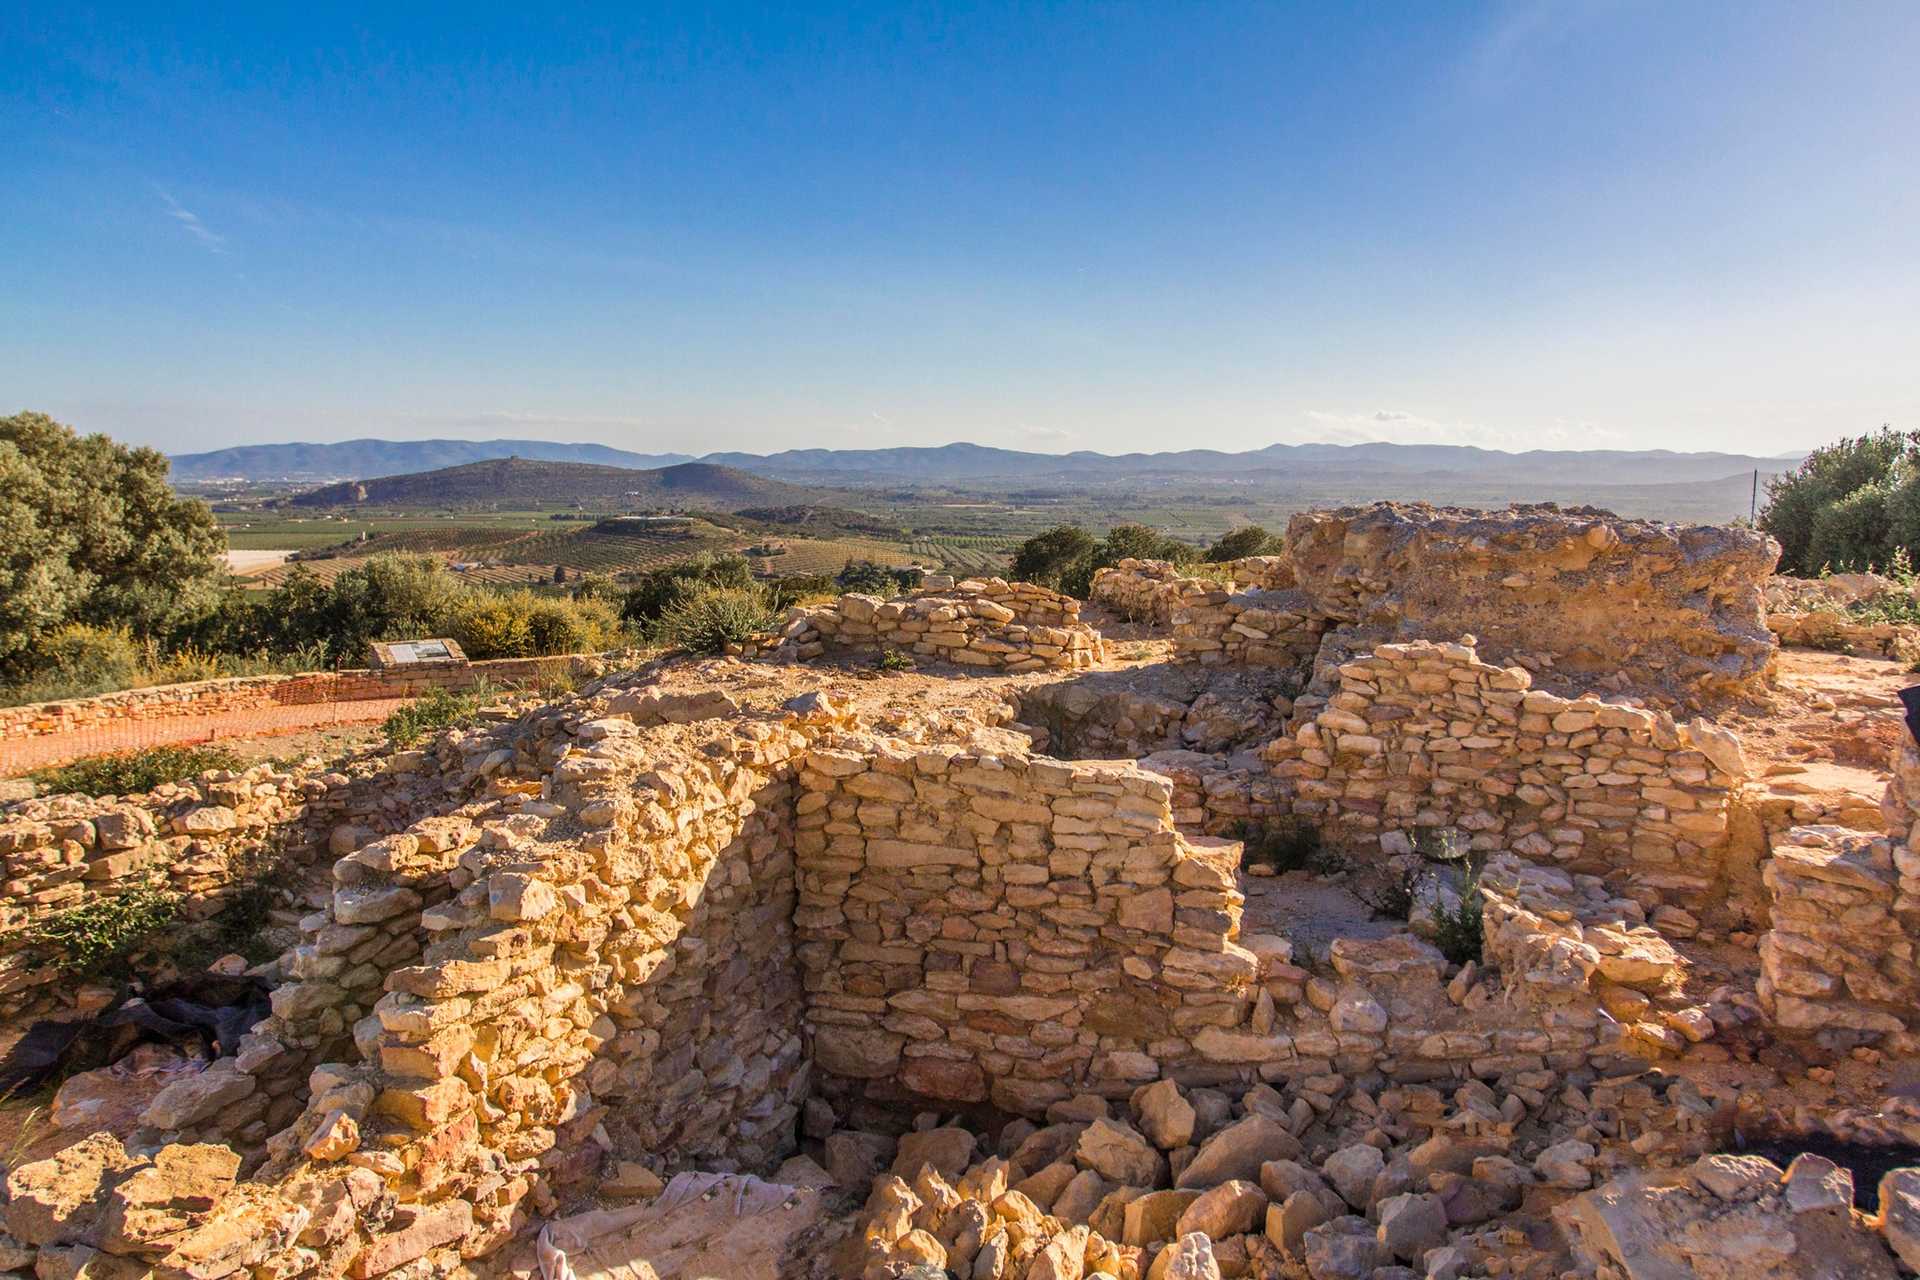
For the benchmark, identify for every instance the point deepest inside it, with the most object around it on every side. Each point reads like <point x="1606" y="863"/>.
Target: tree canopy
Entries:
<point x="1066" y="556"/>
<point x="1247" y="540"/>
<point x="91" y="532"/>
<point x="1851" y="505"/>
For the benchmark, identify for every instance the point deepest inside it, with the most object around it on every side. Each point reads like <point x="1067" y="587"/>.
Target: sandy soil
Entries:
<point x="245" y="562"/>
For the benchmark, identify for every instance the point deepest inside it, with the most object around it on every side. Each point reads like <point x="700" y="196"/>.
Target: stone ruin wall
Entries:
<point x="1428" y="735"/>
<point x="1578" y="593"/>
<point x="1842" y="957"/>
<point x="990" y="623"/>
<point x="1249" y="629"/>
<point x="247" y="693"/>
<point x="984" y="928"/>
<point x="200" y="840"/>
<point x="590" y="963"/>
<point x="1838" y="633"/>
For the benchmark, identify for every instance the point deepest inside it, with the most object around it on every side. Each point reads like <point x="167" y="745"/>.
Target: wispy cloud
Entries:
<point x="1522" y="31"/>
<point x="210" y="240"/>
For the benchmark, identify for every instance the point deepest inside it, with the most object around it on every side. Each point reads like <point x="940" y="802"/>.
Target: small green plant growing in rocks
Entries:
<point x="1440" y="844"/>
<point x="1459" y="931"/>
<point x="101" y="932"/>
<point x="894" y="660"/>
<point x="125" y="773"/>
<point x="440" y="709"/>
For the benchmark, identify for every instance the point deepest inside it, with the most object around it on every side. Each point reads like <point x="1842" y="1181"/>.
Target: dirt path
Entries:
<point x="321" y="721"/>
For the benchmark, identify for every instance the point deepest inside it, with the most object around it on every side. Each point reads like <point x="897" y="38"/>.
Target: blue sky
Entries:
<point x="691" y="227"/>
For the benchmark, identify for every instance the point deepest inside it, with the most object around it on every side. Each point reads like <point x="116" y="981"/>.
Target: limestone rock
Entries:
<point x="1343" y="1249"/>
<point x="62" y="1198"/>
<point x="1412" y="1224"/>
<point x="1118" y="1153"/>
<point x="195" y="1098"/>
<point x="948" y="1150"/>
<point x="1165" y="1115"/>
<point x="1565" y="1164"/>
<point x="1238" y="1151"/>
<point x="1900" y="1214"/>
<point x="1192" y="1259"/>
<point x="1229" y="1209"/>
<point x="1352" y="1170"/>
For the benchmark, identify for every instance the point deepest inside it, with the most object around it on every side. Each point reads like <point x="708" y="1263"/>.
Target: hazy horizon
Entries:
<point x="1119" y="228"/>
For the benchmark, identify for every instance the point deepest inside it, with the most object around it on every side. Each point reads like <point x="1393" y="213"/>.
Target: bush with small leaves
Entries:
<point x="102" y="931"/>
<point x="1459" y="929"/>
<point x="710" y="620"/>
<point x="440" y="709"/>
<point x="126" y="773"/>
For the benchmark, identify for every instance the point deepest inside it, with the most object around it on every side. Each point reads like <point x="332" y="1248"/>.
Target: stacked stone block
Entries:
<point x="990" y="623"/>
<point x="1428" y="735"/>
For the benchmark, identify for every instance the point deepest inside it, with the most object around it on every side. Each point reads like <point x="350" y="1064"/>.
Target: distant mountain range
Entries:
<point x="522" y="480"/>
<point x="361" y="459"/>
<point x="1288" y="465"/>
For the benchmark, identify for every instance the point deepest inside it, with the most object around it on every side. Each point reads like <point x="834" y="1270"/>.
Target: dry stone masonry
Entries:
<point x="1011" y="627"/>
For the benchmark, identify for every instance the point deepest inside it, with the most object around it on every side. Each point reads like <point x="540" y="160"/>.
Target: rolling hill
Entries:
<point x="522" y="482"/>
<point x="359" y="459"/>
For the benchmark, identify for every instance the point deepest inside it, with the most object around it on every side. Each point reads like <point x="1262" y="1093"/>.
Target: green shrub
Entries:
<point x="78" y="661"/>
<point x="1248" y="540"/>
<point x="492" y="626"/>
<point x="660" y="589"/>
<point x="103" y="931"/>
<point x="867" y="578"/>
<point x="1849" y="505"/>
<point x="438" y="710"/>
<point x="712" y="618"/>
<point x="1888" y="606"/>
<point x="1066" y="557"/>
<point x="894" y="660"/>
<point x="801" y="588"/>
<point x="127" y="773"/>
<point x="1460" y="931"/>
<point x="572" y="626"/>
<point x="1393" y="900"/>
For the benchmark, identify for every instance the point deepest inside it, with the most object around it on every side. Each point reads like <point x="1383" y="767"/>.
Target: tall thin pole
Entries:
<point x="1753" y="506"/>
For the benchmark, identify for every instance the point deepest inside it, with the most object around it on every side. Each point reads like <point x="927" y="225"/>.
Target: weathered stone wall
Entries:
<point x="1836" y="632"/>
<point x="587" y="965"/>
<point x="1148" y="590"/>
<point x="1674" y="610"/>
<point x="1250" y="629"/>
<point x="247" y="693"/>
<point x="1010" y="627"/>
<point x="1015" y="930"/>
<point x="1262" y="573"/>
<point x="1428" y="735"/>
<point x="195" y="839"/>
<point x="1569" y="948"/>
<point x="1841" y="955"/>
